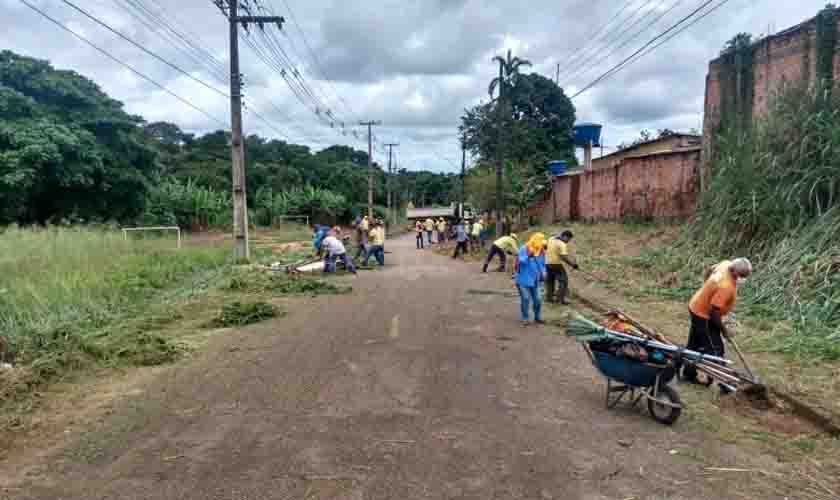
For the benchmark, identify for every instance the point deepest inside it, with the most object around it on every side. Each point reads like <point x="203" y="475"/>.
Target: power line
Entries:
<point x="633" y="57"/>
<point x="610" y="37"/>
<point x="594" y="38"/>
<point x="144" y="49"/>
<point x="121" y="63"/>
<point x="632" y="38"/>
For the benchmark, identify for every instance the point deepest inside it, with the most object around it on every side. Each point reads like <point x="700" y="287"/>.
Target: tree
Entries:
<point x="510" y="73"/>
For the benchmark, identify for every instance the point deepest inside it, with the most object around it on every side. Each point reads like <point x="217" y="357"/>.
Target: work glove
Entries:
<point x="575" y="266"/>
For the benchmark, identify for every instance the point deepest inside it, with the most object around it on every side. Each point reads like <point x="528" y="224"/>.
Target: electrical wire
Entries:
<point x="650" y="47"/>
<point x="144" y="49"/>
<point x="585" y="70"/>
<point x="611" y="37"/>
<point x="121" y="63"/>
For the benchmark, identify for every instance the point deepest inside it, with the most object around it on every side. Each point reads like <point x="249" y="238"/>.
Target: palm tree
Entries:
<point x="510" y="71"/>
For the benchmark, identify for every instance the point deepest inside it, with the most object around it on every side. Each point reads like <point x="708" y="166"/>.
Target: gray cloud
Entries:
<point x="413" y="65"/>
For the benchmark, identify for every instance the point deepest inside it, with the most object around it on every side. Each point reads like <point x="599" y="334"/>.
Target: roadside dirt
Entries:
<point x="420" y="384"/>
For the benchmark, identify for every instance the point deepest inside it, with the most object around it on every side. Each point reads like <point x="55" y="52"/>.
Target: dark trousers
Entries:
<point x="378" y="252"/>
<point x="703" y="337"/>
<point x="329" y="265"/>
<point x="556" y="277"/>
<point x="494" y="251"/>
<point x="420" y="243"/>
<point x="460" y="247"/>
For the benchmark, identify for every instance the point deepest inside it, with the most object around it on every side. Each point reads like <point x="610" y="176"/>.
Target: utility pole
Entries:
<point x="500" y="154"/>
<point x="369" y="126"/>
<point x="241" y="252"/>
<point x="392" y="211"/>
<point x="557" y="79"/>
<point x="463" y="175"/>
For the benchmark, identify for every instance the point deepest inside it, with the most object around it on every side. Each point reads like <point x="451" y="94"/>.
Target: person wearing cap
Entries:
<point x="504" y="246"/>
<point x="429" y="225"/>
<point x="335" y="251"/>
<point x="377" y="243"/>
<point x="707" y="308"/>
<point x="556" y="255"/>
<point x="461" y="239"/>
<point x="530" y="271"/>
<point x="441" y="229"/>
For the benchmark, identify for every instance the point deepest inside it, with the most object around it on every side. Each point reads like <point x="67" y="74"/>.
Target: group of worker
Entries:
<point x="370" y="237"/>
<point x="540" y="260"/>
<point x="441" y="231"/>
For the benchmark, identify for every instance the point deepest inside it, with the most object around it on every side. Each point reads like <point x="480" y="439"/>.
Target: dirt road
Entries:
<point x="415" y="386"/>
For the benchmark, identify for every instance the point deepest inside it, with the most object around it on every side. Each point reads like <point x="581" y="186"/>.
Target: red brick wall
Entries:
<point x="789" y="56"/>
<point x="657" y="185"/>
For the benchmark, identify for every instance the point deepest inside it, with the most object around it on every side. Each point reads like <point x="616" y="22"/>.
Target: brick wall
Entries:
<point x="788" y="56"/>
<point x="659" y="185"/>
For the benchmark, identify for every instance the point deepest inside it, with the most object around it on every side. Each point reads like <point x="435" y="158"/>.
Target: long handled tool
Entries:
<point x="756" y="388"/>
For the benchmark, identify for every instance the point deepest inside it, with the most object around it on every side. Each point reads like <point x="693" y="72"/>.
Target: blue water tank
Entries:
<point x="587" y="133"/>
<point x="557" y="167"/>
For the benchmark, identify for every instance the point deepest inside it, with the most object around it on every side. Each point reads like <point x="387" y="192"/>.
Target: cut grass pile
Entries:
<point x="75" y="296"/>
<point x="282" y="284"/>
<point x="245" y="313"/>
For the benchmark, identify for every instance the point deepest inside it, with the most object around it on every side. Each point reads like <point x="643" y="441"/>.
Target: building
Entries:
<point x="669" y="143"/>
<point x="653" y="179"/>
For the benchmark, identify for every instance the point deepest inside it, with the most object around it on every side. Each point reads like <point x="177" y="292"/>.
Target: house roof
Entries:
<point x="634" y="147"/>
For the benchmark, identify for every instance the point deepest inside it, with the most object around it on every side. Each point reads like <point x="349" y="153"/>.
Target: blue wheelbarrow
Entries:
<point x="637" y="380"/>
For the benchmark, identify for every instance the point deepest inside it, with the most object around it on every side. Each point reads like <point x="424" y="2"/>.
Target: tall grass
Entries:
<point x="69" y="296"/>
<point x="775" y="196"/>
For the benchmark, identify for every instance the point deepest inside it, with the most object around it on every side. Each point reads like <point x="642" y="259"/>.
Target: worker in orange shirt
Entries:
<point x="710" y="305"/>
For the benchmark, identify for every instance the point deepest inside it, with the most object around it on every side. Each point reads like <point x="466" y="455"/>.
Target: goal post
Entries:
<point x="177" y="229"/>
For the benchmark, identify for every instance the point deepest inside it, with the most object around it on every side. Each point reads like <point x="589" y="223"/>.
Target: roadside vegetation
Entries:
<point x="73" y="296"/>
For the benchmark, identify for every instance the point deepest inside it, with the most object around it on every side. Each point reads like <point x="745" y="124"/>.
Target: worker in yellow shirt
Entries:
<point x="504" y="246"/>
<point x="710" y="305"/>
<point x="475" y="237"/>
<point x="555" y="256"/>
<point x="377" y="243"/>
<point x="441" y="229"/>
<point x="430" y="227"/>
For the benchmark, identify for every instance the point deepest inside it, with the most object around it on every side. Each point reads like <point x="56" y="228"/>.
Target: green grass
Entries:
<point x="75" y="296"/>
<point x="282" y="284"/>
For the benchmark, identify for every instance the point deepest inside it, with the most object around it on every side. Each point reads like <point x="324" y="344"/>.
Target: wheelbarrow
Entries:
<point x="637" y="380"/>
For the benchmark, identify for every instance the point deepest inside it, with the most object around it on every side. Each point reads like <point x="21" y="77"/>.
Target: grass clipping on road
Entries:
<point x="245" y="313"/>
<point x="72" y="297"/>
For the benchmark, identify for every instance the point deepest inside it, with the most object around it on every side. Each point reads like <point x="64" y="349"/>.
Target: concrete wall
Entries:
<point x="657" y="185"/>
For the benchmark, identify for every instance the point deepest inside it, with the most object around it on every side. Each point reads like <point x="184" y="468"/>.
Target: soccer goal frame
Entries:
<point x="177" y="229"/>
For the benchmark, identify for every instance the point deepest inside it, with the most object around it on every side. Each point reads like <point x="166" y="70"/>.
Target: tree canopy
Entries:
<point x="70" y="152"/>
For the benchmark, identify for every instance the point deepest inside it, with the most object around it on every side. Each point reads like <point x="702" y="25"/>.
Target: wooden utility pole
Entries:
<point x="557" y="79"/>
<point x="241" y="252"/>
<point x="500" y="154"/>
<point x="391" y="210"/>
<point x="369" y="126"/>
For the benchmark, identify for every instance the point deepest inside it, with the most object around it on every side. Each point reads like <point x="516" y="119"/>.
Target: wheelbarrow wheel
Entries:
<point x="665" y="414"/>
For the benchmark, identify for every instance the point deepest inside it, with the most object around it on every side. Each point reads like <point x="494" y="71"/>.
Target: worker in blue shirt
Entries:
<point x="530" y="273"/>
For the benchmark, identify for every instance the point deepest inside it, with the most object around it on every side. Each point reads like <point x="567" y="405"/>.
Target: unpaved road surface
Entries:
<point x="412" y="387"/>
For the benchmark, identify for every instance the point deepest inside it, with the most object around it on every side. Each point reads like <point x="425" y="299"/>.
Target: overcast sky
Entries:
<point x="414" y="65"/>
